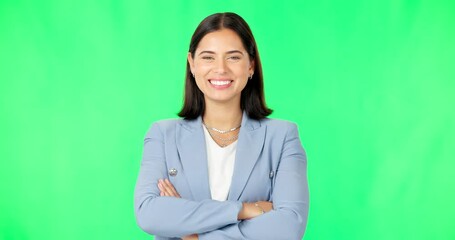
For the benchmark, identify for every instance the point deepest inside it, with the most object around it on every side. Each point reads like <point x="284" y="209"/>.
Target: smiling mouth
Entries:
<point x="220" y="82"/>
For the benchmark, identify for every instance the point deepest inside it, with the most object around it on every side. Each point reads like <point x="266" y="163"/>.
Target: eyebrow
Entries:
<point x="228" y="52"/>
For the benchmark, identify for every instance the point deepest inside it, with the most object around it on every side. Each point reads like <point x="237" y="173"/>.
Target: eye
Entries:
<point x="234" y="58"/>
<point x="208" y="58"/>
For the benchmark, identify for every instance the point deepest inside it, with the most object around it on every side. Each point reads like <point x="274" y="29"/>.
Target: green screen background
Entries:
<point x="370" y="84"/>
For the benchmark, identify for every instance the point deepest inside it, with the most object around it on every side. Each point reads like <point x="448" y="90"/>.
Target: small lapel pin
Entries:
<point x="172" y="172"/>
<point x="271" y="174"/>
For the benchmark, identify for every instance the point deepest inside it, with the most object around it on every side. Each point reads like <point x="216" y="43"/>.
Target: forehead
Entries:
<point x="221" y="40"/>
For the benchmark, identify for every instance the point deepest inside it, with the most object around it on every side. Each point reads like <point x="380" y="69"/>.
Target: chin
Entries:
<point x="223" y="99"/>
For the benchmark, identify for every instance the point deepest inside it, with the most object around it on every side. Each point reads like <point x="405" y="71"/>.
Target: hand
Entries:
<point x="191" y="237"/>
<point x="250" y="210"/>
<point x="266" y="206"/>
<point x="167" y="189"/>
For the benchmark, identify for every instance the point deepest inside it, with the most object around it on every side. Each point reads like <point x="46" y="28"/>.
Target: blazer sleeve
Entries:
<point x="290" y="198"/>
<point x="169" y="216"/>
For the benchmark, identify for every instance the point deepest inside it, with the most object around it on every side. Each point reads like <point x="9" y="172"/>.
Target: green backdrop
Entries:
<point x="370" y="84"/>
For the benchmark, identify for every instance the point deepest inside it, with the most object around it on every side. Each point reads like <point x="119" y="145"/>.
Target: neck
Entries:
<point x="222" y="116"/>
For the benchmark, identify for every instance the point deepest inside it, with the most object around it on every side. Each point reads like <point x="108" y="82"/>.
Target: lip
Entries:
<point x="222" y="83"/>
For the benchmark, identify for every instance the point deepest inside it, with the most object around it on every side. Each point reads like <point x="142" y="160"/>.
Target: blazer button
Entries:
<point x="271" y="174"/>
<point x="172" y="172"/>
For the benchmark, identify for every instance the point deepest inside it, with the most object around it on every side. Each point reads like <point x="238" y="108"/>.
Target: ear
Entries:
<point x="251" y="68"/>
<point x="191" y="62"/>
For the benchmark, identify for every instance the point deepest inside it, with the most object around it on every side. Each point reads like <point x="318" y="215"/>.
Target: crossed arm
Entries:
<point x="159" y="209"/>
<point x="248" y="211"/>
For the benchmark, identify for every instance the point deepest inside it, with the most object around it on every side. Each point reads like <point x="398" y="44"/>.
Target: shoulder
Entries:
<point x="272" y="123"/>
<point x="279" y="127"/>
<point x="166" y="126"/>
<point x="167" y="123"/>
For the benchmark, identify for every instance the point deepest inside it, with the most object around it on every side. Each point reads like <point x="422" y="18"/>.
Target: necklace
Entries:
<point x="220" y="131"/>
<point x="222" y="142"/>
<point x="225" y="139"/>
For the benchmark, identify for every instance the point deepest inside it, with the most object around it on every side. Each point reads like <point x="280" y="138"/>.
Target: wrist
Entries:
<point x="242" y="213"/>
<point x="259" y="207"/>
<point x="250" y="210"/>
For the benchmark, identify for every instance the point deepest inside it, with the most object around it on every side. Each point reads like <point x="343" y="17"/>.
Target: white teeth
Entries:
<point x="219" y="83"/>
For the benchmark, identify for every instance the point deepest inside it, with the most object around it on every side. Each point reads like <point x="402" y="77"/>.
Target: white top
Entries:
<point x="221" y="166"/>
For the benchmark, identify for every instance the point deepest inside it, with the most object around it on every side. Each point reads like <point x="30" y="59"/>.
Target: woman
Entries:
<point x="224" y="171"/>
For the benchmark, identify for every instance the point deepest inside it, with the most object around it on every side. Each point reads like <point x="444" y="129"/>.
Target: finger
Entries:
<point x="161" y="188"/>
<point x="169" y="187"/>
<point x="267" y="206"/>
<point x="159" y="185"/>
<point x="172" y="188"/>
<point x="166" y="189"/>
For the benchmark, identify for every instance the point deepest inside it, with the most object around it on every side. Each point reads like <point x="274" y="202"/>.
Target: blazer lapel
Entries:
<point x="193" y="156"/>
<point x="249" y="146"/>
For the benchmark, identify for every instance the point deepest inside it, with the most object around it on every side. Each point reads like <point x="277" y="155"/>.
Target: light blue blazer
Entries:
<point x="270" y="165"/>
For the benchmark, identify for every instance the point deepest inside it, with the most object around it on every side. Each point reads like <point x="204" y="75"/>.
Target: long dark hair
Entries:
<point x="252" y="99"/>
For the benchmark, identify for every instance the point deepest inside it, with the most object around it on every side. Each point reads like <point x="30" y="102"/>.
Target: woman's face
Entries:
<point x="221" y="66"/>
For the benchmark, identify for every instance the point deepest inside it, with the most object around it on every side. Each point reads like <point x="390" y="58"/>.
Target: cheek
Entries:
<point x="243" y="73"/>
<point x="243" y="70"/>
<point x="244" y="83"/>
<point x="200" y="84"/>
<point x="202" y="68"/>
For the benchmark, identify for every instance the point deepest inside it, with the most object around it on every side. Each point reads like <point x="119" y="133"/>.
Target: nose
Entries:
<point x="220" y="66"/>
